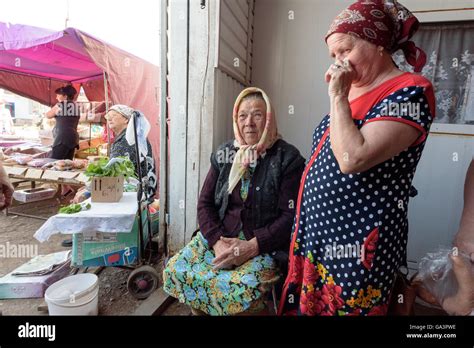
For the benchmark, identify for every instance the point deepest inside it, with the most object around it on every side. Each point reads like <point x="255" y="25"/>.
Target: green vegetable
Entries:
<point x="74" y="208"/>
<point x="119" y="166"/>
<point x="90" y="150"/>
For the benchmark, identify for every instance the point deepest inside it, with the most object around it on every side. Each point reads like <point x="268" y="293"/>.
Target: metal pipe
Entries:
<point x="106" y="91"/>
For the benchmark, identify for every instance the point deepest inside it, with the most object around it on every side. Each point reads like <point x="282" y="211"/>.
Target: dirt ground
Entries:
<point x="114" y="298"/>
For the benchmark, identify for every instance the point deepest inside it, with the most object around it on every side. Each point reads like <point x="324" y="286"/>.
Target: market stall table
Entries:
<point x="20" y="174"/>
<point x="108" y="234"/>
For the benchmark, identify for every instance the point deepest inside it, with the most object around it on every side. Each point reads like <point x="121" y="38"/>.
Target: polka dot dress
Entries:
<point x="350" y="233"/>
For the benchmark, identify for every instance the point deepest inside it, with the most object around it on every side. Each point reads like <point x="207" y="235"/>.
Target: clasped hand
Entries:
<point x="232" y="252"/>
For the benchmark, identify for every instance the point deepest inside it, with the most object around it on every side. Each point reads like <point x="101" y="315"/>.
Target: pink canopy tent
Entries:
<point x="35" y="61"/>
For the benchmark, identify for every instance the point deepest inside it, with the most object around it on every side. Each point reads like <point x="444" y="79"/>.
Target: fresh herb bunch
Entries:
<point x="74" y="208"/>
<point x="115" y="167"/>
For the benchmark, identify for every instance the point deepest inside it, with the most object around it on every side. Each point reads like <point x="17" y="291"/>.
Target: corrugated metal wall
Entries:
<point x="234" y="62"/>
<point x="227" y="90"/>
<point x="235" y="38"/>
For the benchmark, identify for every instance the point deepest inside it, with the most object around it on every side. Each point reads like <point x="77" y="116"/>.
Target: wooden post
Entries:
<point x="163" y="178"/>
<point x="178" y="79"/>
<point x="192" y="89"/>
<point x="202" y="46"/>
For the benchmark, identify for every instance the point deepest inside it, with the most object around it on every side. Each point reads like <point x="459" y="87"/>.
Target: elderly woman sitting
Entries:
<point x="118" y="118"/>
<point x="245" y="212"/>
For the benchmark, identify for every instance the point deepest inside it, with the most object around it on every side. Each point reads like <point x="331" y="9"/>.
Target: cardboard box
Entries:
<point x="33" y="195"/>
<point x="96" y="249"/>
<point x="105" y="249"/>
<point x="107" y="189"/>
<point x="32" y="286"/>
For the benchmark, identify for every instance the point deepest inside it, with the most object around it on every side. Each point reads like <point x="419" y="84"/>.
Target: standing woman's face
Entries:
<point x="361" y="54"/>
<point x="251" y="120"/>
<point x="60" y="97"/>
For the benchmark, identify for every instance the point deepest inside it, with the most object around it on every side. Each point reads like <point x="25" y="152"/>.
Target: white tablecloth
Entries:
<point x="102" y="217"/>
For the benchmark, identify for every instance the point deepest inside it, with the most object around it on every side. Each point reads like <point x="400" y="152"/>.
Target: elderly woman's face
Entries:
<point x="360" y="53"/>
<point x="116" y="121"/>
<point x="251" y="120"/>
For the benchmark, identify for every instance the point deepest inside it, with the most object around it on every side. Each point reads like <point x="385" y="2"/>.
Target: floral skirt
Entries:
<point x="189" y="276"/>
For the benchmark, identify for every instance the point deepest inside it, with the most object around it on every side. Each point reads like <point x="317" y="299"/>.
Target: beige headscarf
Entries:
<point x="248" y="154"/>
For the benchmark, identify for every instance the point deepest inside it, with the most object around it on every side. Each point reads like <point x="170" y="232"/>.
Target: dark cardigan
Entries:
<point x="269" y="210"/>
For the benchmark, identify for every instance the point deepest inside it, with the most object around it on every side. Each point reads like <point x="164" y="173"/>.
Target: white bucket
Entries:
<point x="74" y="295"/>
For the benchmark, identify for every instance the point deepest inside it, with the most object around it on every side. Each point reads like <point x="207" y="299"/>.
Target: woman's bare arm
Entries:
<point x="52" y="112"/>
<point x="359" y="150"/>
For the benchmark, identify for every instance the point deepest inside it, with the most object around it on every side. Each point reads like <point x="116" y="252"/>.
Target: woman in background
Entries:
<point x="66" y="114"/>
<point x="118" y="118"/>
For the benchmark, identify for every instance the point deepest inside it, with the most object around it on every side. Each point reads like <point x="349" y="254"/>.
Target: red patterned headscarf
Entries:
<point x="384" y="23"/>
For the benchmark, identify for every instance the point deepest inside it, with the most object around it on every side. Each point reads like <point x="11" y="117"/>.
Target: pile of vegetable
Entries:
<point x="66" y="164"/>
<point x="115" y="167"/>
<point x="90" y="151"/>
<point x="74" y="208"/>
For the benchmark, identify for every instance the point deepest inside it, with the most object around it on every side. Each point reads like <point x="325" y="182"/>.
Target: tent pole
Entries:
<point x="106" y="91"/>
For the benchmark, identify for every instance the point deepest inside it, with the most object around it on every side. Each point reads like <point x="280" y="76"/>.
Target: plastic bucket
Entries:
<point x="74" y="295"/>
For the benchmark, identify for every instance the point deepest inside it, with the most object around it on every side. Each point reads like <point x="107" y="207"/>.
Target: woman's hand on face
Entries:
<point x="340" y="76"/>
<point x="237" y="252"/>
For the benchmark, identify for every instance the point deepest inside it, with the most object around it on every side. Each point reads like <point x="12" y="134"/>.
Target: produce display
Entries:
<point x="66" y="164"/>
<point x="115" y="167"/>
<point x="21" y="155"/>
<point x="40" y="162"/>
<point x="16" y="158"/>
<point x="74" y="208"/>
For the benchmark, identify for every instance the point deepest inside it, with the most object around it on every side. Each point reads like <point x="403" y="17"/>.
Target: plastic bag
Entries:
<point x="143" y="128"/>
<point x="436" y="272"/>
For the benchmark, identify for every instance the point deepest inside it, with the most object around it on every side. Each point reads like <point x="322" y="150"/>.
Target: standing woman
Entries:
<point x="66" y="114"/>
<point x="350" y="234"/>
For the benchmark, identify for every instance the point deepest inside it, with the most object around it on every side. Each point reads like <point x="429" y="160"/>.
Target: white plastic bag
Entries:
<point x="436" y="272"/>
<point x="143" y="128"/>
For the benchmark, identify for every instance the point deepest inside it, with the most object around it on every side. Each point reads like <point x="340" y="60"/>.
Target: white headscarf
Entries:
<point x="143" y="128"/>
